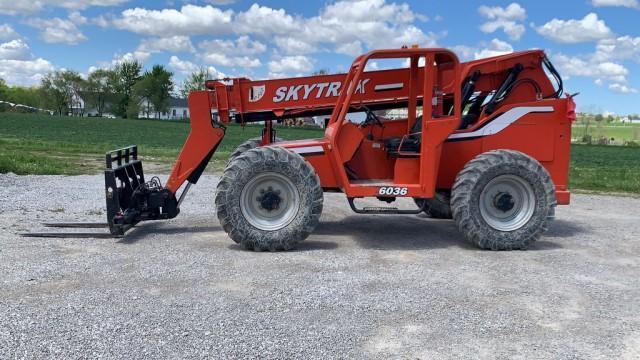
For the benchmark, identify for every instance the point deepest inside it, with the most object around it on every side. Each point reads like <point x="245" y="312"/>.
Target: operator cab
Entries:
<point x="380" y="149"/>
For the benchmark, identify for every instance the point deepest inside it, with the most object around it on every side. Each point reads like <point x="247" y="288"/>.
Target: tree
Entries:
<point x="143" y="91"/>
<point x="162" y="81"/>
<point x="3" y="89"/>
<point x="122" y="80"/>
<point x="75" y="87"/>
<point x="599" y="118"/>
<point x="321" y="72"/>
<point x="98" y="90"/>
<point x="194" y="82"/>
<point x="60" y="89"/>
<point x="29" y="96"/>
<point x="154" y="90"/>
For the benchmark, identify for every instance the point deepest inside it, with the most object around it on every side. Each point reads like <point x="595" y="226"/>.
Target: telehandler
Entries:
<point x="484" y="142"/>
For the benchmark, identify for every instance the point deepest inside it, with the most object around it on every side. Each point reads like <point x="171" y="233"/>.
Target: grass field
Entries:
<point x="620" y="132"/>
<point x="605" y="168"/>
<point x="34" y="144"/>
<point x="40" y="144"/>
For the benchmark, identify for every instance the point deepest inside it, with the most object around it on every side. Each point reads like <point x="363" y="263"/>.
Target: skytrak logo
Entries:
<point x="317" y="90"/>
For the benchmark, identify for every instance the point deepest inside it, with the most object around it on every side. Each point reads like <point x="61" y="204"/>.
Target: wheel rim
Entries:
<point x="507" y="202"/>
<point x="269" y="201"/>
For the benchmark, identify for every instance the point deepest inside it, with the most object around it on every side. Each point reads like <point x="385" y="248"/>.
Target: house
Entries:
<point x="178" y="109"/>
<point x="628" y="120"/>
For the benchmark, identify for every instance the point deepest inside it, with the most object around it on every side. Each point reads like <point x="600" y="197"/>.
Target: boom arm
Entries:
<point x="204" y="138"/>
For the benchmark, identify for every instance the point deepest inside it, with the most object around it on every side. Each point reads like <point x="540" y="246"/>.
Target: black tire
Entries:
<point x="438" y="207"/>
<point x="247" y="145"/>
<point x="473" y="207"/>
<point x="243" y="225"/>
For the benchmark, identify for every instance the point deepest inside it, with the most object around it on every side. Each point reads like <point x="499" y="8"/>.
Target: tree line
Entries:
<point x="124" y="91"/>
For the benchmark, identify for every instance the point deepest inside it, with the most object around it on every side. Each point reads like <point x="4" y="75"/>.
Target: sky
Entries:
<point x="595" y="44"/>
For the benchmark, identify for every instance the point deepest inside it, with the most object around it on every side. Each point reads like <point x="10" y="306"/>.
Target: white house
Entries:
<point x="627" y="120"/>
<point x="178" y="109"/>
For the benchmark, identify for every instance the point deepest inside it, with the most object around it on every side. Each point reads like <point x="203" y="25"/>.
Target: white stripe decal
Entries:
<point x="503" y="121"/>
<point x="388" y="86"/>
<point x="307" y="149"/>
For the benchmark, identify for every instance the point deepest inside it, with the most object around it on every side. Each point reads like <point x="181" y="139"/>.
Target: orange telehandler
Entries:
<point x="485" y="143"/>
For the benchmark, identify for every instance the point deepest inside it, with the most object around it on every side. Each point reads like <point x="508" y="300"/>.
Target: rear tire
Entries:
<point x="269" y="198"/>
<point x="438" y="207"/>
<point x="502" y="200"/>
<point x="247" y="145"/>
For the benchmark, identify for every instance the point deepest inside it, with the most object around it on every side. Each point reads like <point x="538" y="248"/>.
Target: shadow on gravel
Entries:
<point x="544" y="245"/>
<point x="307" y="245"/>
<point x="564" y="229"/>
<point x="395" y="232"/>
<point x="141" y="232"/>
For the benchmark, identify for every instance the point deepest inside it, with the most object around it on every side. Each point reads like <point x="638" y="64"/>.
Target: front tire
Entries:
<point x="503" y="200"/>
<point x="269" y="198"/>
<point x="247" y="145"/>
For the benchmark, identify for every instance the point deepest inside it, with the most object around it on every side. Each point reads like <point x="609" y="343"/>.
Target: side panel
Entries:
<point x="545" y="136"/>
<point x="316" y="152"/>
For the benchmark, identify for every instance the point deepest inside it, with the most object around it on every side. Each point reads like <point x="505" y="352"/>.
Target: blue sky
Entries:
<point x="594" y="43"/>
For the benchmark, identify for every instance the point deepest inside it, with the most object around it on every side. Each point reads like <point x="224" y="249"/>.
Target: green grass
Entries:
<point x="619" y="132"/>
<point x="39" y="144"/>
<point x="605" y="168"/>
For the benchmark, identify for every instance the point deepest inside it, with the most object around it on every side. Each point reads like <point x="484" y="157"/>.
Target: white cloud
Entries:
<point x="173" y="44"/>
<point x="220" y="2"/>
<point x="224" y="60"/>
<point x="622" y="3"/>
<point x="101" y="21"/>
<point x="572" y="31"/>
<point x="189" y="20"/>
<point x="464" y="52"/>
<point x="291" y="64"/>
<point x="13" y="7"/>
<point x="265" y="20"/>
<point x="621" y="88"/>
<point x="77" y="18"/>
<point x="140" y="56"/>
<point x="240" y="52"/>
<point x="292" y="46"/>
<point x="241" y="46"/>
<point x="604" y="71"/>
<point x="15" y="50"/>
<point x="182" y="66"/>
<point x="7" y="32"/>
<point x="353" y="48"/>
<point x="620" y="48"/>
<point x="496" y="47"/>
<point x="24" y="72"/>
<point x="373" y="23"/>
<point x="613" y="71"/>
<point x="57" y="30"/>
<point x="18" y="66"/>
<point x="508" y="19"/>
<point x="186" y="67"/>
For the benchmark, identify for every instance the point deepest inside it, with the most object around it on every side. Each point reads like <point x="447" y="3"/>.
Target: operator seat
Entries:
<point x="411" y="142"/>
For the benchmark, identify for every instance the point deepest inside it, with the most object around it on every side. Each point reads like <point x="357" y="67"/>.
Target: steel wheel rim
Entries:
<point x="507" y="202"/>
<point x="276" y="214"/>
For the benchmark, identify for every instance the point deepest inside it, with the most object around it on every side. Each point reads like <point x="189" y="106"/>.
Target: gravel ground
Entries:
<point x="360" y="287"/>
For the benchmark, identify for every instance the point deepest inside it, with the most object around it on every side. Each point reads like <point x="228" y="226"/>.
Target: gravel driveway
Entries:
<point x="360" y="287"/>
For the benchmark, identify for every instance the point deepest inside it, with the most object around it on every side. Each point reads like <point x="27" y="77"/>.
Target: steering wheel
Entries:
<point x="371" y="118"/>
